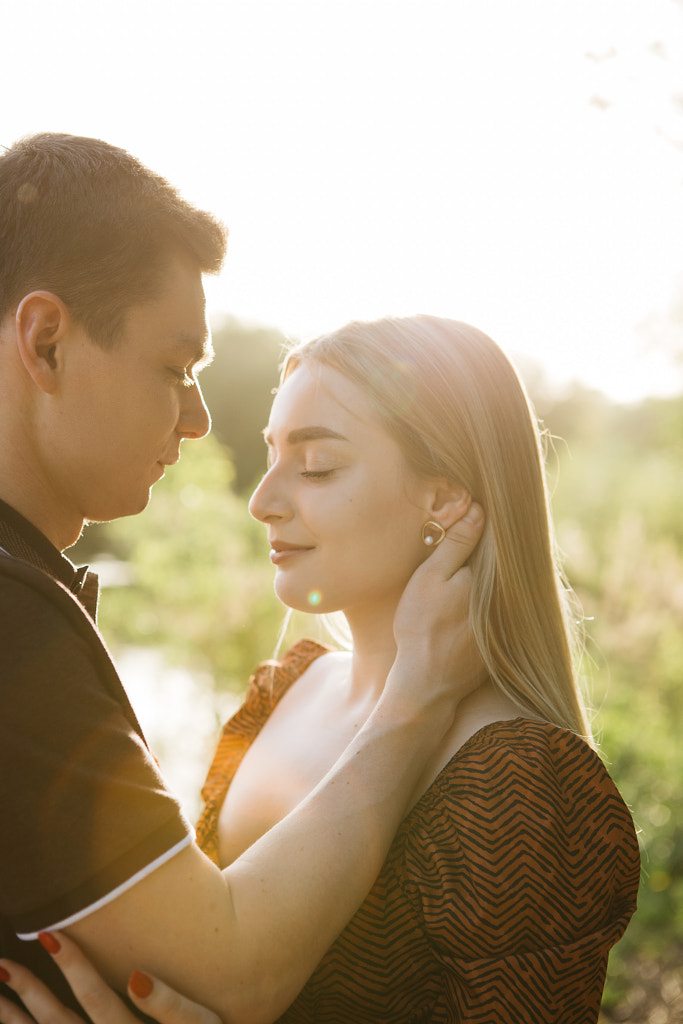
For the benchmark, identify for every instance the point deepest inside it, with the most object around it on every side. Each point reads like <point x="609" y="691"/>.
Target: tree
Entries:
<point x="238" y="388"/>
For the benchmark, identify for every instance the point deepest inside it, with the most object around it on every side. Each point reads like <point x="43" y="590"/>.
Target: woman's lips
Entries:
<point x="280" y="553"/>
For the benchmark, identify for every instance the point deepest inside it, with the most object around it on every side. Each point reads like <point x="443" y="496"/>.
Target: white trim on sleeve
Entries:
<point x="128" y="884"/>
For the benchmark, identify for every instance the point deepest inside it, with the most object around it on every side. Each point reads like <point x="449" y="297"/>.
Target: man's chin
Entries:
<point x="120" y="510"/>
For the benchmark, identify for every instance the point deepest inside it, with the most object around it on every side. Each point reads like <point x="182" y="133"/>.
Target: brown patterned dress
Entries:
<point x="503" y="891"/>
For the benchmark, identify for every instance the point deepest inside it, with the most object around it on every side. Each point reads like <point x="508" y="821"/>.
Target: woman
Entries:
<point x="517" y="868"/>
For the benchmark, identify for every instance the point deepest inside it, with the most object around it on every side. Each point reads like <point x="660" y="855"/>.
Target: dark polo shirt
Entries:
<point x="84" y="813"/>
<point x="20" y="538"/>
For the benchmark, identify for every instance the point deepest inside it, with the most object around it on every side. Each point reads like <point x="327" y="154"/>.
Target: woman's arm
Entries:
<point x="244" y="941"/>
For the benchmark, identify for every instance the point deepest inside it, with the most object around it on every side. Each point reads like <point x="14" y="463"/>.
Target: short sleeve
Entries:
<point x="83" y="809"/>
<point x="523" y="869"/>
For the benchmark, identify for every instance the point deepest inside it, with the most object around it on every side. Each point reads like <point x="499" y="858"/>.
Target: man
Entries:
<point x="102" y="333"/>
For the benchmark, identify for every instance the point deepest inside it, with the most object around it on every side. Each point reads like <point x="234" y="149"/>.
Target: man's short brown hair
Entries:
<point x="87" y="221"/>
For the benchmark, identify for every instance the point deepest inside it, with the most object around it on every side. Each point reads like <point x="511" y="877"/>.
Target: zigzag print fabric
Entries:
<point x="504" y="889"/>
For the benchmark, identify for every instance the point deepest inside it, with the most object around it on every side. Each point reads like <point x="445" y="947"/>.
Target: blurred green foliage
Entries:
<point x="238" y="389"/>
<point x="199" y="583"/>
<point x="202" y="587"/>
<point x="618" y="495"/>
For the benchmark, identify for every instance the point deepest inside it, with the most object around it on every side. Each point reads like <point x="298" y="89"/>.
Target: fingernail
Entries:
<point x="140" y="984"/>
<point x="4" y="975"/>
<point x="475" y="514"/>
<point x="49" y="942"/>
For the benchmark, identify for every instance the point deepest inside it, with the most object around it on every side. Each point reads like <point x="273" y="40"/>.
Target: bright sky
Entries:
<point x="515" y="164"/>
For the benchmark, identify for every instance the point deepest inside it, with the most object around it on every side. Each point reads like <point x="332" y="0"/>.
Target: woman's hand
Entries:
<point x="433" y="635"/>
<point x="99" y="1001"/>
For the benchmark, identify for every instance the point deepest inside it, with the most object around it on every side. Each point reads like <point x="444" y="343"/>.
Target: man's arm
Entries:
<point x="244" y="941"/>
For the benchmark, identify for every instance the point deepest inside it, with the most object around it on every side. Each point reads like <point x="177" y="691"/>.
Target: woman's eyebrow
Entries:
<point x="302" y="434"/>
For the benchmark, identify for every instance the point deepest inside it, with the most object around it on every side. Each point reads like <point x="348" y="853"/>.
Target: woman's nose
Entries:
<point x="267" y="502"/>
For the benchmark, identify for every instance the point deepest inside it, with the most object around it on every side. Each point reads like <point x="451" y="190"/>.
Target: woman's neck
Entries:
<point x="374" y="649"/>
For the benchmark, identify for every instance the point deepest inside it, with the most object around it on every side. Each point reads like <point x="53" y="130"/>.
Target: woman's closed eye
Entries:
<point x="318" y="474"/>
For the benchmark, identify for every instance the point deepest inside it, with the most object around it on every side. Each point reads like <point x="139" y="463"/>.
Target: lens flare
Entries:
<point x="314" y="598"/>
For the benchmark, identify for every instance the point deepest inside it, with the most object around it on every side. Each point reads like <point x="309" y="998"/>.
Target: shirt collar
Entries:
<point x="22" y="539"/>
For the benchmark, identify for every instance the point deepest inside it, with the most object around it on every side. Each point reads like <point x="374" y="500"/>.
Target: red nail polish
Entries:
<point x="49" y="942"/>
<point x="140" y="984"/>
<point x="4" y="975"/>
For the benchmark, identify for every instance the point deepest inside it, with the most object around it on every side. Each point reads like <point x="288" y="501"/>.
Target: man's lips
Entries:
<point x="165" y="463"/>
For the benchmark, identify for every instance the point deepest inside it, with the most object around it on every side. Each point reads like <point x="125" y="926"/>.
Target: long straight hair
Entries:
<point x="454" y="403"/>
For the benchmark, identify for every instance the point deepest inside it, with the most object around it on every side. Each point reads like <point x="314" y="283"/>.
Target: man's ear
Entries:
<point x="42" y="322"/>
<point x="450" y="503"/>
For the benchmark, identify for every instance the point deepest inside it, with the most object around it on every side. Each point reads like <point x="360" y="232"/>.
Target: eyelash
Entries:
<point x="317" y="474"/>
<point x="183" y="377"/>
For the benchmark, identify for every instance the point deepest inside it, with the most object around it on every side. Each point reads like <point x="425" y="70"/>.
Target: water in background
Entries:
<point x="181" y="717"/>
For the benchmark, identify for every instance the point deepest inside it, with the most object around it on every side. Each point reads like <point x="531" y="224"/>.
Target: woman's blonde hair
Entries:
<point x="455" y="405"/>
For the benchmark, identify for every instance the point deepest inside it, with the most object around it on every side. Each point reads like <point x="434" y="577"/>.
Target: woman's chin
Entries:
<point x="301" y="601"/>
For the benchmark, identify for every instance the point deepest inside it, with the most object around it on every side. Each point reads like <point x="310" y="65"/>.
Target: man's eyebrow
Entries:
<point x="199" y="349"/>
<point x="302" y="434"/>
